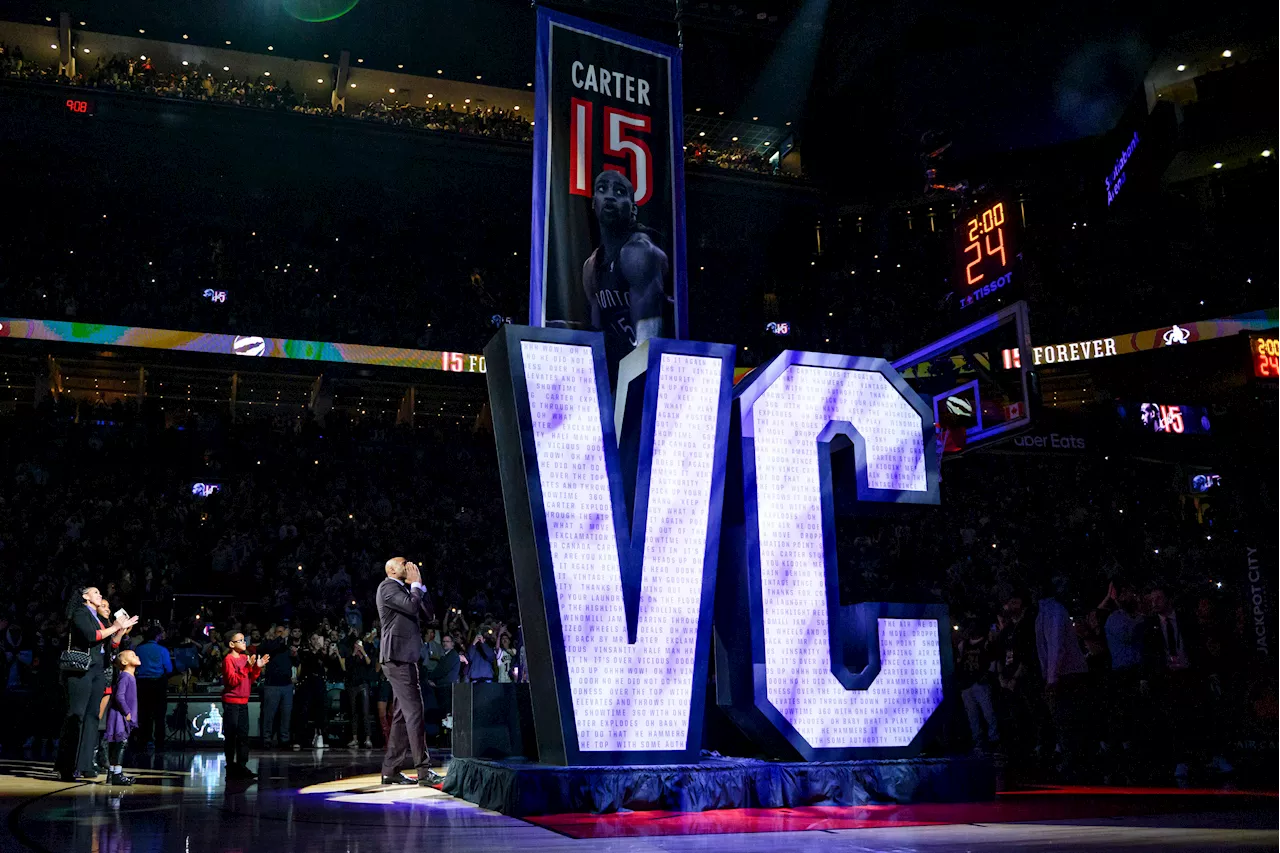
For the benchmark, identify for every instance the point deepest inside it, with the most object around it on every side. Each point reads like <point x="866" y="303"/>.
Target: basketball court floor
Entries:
<point x="331" y="801"/>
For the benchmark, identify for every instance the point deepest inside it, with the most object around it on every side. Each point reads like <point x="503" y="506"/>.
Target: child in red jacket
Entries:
<point x="238" y="673"/>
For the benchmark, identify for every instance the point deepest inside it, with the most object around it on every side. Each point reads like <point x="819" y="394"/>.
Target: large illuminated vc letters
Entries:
<point x="616" y="612"/>
<point x="799" y="673"/>
<point x="616" y="533"/>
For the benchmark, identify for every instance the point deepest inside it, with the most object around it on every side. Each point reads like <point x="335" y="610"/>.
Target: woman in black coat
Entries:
<point x="84" y="690"/>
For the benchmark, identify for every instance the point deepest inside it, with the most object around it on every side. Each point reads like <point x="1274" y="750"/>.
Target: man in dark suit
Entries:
<point x="402" y="603"/>
<point x="1169" y="680"/>
<point x="442" y="676"/>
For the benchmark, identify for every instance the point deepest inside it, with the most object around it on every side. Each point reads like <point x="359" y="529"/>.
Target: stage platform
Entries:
<point x="525" y="789"/>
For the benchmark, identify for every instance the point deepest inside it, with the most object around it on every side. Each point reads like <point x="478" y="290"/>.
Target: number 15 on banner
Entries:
<point x="619" y="142"/>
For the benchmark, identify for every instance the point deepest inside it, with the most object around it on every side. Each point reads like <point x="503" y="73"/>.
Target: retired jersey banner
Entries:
<point x="608" y="185"/>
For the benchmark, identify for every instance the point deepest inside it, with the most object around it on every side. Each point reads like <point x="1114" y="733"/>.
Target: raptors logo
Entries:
<point x="1177" y="335"/>
<point x="250" y="345"/>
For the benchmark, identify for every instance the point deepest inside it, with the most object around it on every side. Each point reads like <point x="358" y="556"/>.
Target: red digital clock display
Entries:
<point x="985" y="251"/>
<point x="1265" y="353"/>
<point x="79" y="106"/>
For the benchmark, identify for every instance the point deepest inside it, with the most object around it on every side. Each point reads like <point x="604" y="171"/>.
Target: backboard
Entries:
<point x="976" y="379"/>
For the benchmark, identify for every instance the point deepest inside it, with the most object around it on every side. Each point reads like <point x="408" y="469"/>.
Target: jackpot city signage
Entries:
<point x="1150" y="339"/>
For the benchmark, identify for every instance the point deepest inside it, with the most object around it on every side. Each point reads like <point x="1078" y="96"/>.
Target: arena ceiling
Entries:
<point x="861" y="80"/>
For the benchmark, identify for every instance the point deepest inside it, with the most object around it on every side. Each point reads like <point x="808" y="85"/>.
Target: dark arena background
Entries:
<point x="941" y="474"/>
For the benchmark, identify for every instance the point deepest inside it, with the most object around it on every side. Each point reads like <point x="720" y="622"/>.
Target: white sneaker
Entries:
<point x="318" y="743"/>
<point x="297" y="746"/>
<point x="355" y="744"/>
<point x="368" y="744"/>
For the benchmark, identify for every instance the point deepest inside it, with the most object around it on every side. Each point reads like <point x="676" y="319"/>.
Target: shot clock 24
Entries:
<point x="1264" y="351"/>
<point x="986" y="251"/>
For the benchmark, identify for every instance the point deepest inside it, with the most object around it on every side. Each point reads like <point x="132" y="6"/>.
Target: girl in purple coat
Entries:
<point x="122" y="715"/>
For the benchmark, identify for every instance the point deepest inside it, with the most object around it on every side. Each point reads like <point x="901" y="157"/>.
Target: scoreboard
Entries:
<point x="986" y="252"/>
<point x="1264" y="354"/>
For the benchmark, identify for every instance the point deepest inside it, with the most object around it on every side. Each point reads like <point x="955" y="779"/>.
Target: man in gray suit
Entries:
<point x="402" y="603"/>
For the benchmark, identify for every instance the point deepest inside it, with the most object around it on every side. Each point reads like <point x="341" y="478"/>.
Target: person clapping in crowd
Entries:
<point x="77" y="744"/>
<point x="483" y="657"/>
<point x="239" y="671"/>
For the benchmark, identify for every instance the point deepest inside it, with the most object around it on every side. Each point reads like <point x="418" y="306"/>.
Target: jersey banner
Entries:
<point x="608" y="185"/>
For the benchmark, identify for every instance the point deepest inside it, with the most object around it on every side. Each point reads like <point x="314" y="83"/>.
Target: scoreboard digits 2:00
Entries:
<point x="1265" y="353"/>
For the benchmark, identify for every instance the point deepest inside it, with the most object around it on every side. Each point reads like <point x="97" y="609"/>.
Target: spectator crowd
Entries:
<point x="139" y="76"/>
<point x="1100" y="634"/>
<point x="289" y="551"/>
<point x="1094" y="637"/>
<point x="1099" y="630"/>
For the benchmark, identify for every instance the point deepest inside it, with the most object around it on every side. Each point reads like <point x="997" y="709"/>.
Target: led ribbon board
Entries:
<point x="615" y="607"/>
<point x="1149" y="339"/>
<point x="796" y="671"/>
<point x="245" y="346"/>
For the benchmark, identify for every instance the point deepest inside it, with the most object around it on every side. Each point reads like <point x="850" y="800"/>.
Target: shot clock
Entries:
<point x="1264" y="352"/>
<point x="78" y="106"/>
<point x="986" y="248"/>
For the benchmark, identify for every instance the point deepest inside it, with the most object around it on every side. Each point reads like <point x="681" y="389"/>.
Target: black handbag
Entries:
<point x="73" y="660"/>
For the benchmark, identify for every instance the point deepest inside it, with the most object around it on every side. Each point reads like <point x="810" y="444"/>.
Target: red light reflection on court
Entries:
<point x="1035" y="804"/>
